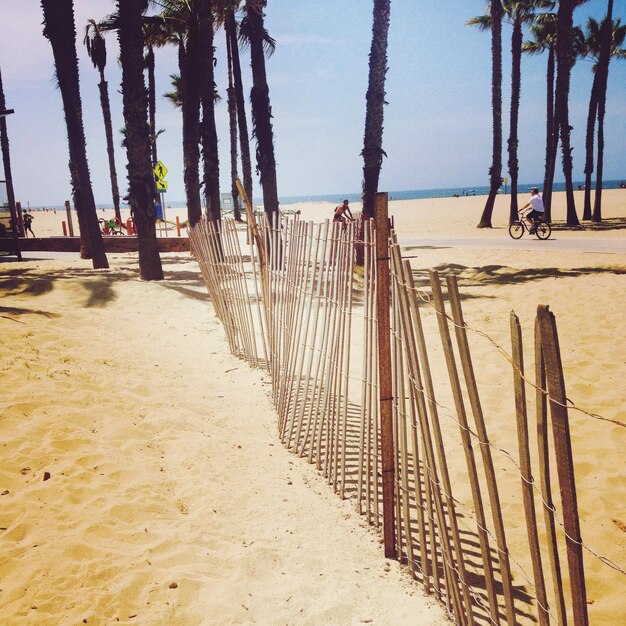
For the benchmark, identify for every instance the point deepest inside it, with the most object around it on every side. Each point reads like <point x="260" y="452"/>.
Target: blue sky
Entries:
<point x="437" y="123"/>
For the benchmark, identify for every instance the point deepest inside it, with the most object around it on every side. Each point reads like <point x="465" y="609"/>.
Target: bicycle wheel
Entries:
<point x="543" y="230"/>
<point x="516" y="230"/>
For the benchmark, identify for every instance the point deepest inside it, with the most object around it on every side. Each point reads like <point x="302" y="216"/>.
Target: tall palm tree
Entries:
<point x="223" y="10"/>
<point x="564" y="62"/>
<point x="544" y="39"/>
<point x="612" y="37"/>
<point x="97" y="51"/>
<point x="520" y="12"/>
<point x="252" y="31"/>
<point x="150" y="67"/>
<point x="232" y="117"/>
<point x="179" y="27"/>
<point x="494" y="24"/>
<point x="140" y="175"/>
<point x="373" y="152"/>
<point x="155" y="34"/>
<point x="230" y="27"/>
<point x="60" y="30"/>
<point x="208" y="131"/>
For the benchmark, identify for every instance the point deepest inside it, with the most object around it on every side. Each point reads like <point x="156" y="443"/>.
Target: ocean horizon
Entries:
<point x="409" y="194"/>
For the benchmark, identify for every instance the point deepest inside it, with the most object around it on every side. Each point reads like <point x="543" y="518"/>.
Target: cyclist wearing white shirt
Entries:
<point x="536" y="204"/>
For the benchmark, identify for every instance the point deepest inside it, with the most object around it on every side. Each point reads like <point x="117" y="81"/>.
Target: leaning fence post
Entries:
<point x="254" y="227"/>
<point x="564" y="461"/>
<point x="525" y="468"/>
<point x="384" y="371"/>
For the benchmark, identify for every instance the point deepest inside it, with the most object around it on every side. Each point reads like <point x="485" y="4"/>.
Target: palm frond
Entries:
<point x="482" y="22"/>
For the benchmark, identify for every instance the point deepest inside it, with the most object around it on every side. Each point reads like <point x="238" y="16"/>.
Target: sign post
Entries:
<point x="160" y="171"/>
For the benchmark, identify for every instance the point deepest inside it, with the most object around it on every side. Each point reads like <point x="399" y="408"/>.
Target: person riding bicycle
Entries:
<point x="343" y="213"/>
<point x="535" y="203"/>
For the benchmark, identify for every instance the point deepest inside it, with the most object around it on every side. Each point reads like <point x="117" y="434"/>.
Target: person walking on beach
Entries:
<point x="343" y="213"/>
<point x="536" y="205"/>
<point x="27" y="218"/>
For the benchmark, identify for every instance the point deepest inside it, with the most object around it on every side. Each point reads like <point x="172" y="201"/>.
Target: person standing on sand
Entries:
<point x="27" y="218"/>
<point x="343" y="213"/>
<point x="536" y="205"/>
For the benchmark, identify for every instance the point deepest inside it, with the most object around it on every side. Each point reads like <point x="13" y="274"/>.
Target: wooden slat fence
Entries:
<point x="309" y="315"/>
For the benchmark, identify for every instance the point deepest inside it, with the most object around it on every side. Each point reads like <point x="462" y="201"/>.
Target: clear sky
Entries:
<point x="437" y="123"/>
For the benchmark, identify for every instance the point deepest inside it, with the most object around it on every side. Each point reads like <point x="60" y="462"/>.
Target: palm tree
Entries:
<point x="179" y="26"/>
<point x="612" y="37"/>
<point x="564" y="63"/>
<point x="252" y="31"/>
<point x="232" y="117"/>
<point x="544" y="39"/>
<point x="155" y="34"/>
<point x="520" y="12"/>
<point x="97" y="51"/>
<point x="149" y="63"/>
<point x="230" y="27"/>
<point x="140" y="175"/>
<point x="374" y="106"/>
<point x="208" y="131"/>
<point x="495" y="171"/>
<point x="225" y="12"/>
<point x="60" y="30"/>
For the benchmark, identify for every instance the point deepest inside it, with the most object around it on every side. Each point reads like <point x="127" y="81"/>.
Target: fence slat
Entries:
<point x="544" y="473"/>
<point x="439" y="443"/>
<point x="490" y="474"/>
<point x="449" y="561"/>
<point x="527" y="479"/>
<point x="564" y="462"/>
<point x="479" y="511"/>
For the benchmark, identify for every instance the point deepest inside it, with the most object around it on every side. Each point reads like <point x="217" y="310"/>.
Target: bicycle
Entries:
<point x="539" y="227"/>
<point x="111" y="227"/>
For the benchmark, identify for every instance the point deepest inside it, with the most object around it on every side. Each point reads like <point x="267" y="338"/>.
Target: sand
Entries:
<point x="142" y="477"/>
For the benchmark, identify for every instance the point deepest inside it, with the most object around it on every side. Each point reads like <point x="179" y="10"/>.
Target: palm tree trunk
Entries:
<point x="59" y="29"/>
<point x="375" y="104"/>
<point x="108" y="129"/>
<point x="261" y="109"/>
<point x="6" y="160"/>
<point x="190" y="96"/>
<point x="591" y="123"/>
<point x="516" y="81"/>
<point x="208" y="132"/>
<point x="244" y="139"/>
<point x="141" y="188"/>
<point x="565" y="61"/>
<point x="603" y="70"/>
<point x="495" y="171"/>
<point x="552" y="139"/>
<point x="232" y="116"/>
<point x="152" y="104"/>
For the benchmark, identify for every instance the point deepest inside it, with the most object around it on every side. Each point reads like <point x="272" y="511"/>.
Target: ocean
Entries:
<point x="410" y="194"/>
<point x="442" y="192"/>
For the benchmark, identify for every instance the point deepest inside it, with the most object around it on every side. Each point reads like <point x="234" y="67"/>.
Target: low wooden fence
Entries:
<point x="298" y="305"/>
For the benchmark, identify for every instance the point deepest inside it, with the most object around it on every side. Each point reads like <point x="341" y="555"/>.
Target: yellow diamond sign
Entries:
<point x="160" y="170"/>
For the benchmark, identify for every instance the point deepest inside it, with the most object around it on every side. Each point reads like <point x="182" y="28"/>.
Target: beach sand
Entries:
<point x="141" y="475"/>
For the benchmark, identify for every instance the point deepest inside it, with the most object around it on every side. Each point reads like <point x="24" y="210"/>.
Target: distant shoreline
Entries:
<point x="410" y="194"/>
